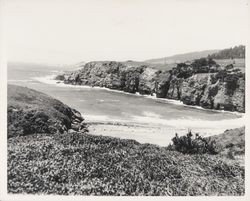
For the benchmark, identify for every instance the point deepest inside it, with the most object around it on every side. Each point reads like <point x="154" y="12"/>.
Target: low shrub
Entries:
<point x="188" y="144"/>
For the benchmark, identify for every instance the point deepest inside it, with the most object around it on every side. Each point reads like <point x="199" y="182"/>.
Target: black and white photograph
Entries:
<point x="123" y="98"/>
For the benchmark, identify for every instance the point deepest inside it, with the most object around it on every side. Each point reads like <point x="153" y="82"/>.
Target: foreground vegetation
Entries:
<point x="229" y="145"/>
<point x="188" y="144"/>
<point x="96" y="165"/>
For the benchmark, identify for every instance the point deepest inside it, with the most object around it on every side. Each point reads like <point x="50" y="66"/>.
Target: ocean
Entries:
<point x="114" y="113"/>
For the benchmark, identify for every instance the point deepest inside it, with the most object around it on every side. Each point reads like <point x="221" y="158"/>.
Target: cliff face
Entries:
<point x="114" y="75"/>
<point x="206" y="86"/>
<point x="207" y="91"/>
<point x="193" y="88"/>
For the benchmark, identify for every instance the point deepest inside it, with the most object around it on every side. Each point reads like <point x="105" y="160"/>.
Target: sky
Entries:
<point x="70" y="31"/>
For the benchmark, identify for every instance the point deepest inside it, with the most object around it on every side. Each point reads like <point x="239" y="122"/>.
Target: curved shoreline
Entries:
<point x="50" y="79"/>
<point x="150" y="130"/>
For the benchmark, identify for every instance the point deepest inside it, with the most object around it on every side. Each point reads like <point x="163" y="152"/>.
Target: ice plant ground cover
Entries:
<point x="84" y="164"/>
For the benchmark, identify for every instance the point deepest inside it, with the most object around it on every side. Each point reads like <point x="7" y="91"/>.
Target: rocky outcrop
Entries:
<point x="198" y="88"/>
<point x="207" y="91"/>
<point x="175" y="86"/>
<point x="147" y="81"/>
<point x="162" y="84"/>
<point x="114" y="75"/>
<point x="32" y="112"/>
<point x="203" y="82"/>
<point x="227" y="101"/>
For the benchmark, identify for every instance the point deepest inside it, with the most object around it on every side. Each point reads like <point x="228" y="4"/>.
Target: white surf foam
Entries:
<point x="191" y="123"/>
<point x="26" y="80"/>
<point x="55" y="71"/>
<point x="102" y="118"/>
<point x="151" y="114"/>
<point x="152" y="119"/>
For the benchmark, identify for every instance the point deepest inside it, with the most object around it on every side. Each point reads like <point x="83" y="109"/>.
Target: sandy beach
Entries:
<point x="145" y="132"/>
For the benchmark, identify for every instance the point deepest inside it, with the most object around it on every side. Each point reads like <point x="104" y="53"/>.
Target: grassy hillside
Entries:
<point x="232" y="143"/>
<point x="32" y="112"/>
<point x="237" y="63"/>
<point x="179" y="58"/>
<point x="235" y="56"/>
<point x="75" y="162"/>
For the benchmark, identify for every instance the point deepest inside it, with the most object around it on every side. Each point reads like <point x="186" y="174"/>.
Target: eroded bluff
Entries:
<point x="208" y="87"/>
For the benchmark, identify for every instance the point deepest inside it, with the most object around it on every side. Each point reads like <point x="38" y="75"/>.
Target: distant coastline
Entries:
<point x="50" y="79"/>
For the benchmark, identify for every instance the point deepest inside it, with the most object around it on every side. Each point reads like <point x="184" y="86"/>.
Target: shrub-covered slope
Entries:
<point x="230" y="53"/>
<point x="182" y="57"/>
<point x="32" y="112"/>
<point x="97" y="165"/>
<point x="231" y="143"/>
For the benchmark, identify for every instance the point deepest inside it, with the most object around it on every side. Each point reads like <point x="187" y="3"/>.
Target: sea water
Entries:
<point x="104" y="106"/>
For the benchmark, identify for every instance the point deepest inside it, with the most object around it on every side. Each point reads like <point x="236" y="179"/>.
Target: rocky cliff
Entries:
<point x="203" y="82"/>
